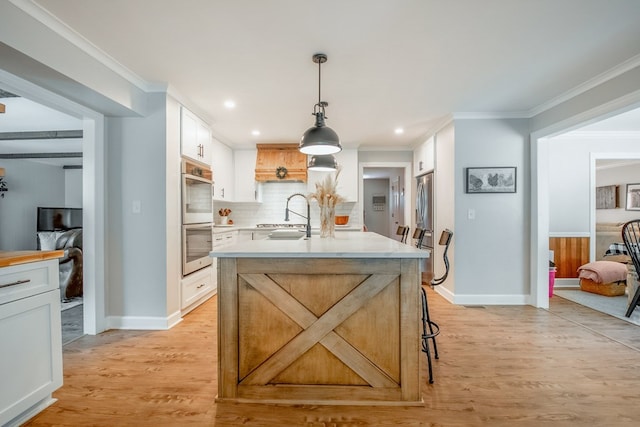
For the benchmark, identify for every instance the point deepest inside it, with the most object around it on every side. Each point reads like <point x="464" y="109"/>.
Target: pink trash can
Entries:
<point x="552" y="280"/>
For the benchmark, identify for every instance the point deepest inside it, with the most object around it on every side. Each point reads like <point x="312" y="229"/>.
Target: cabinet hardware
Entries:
<point x="420" y="165"/>
<point x="17" y="282"/>
<point x="223" y="193"/>
<point x="200" y="286"/>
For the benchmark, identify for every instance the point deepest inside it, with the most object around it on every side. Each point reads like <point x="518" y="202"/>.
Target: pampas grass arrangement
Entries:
<point x="328" y="198"/>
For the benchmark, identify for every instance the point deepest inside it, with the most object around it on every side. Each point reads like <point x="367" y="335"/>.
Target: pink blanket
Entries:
<point x="603" y="271"/>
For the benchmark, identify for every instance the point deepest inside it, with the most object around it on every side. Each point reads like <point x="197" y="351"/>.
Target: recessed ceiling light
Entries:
<point x="255" y="132"/>
<point x="230" y="104"/>
<point x="399" y="131"/>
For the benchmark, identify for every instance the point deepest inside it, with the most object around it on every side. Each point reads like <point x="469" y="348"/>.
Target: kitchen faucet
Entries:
<point x="308" y="217"/>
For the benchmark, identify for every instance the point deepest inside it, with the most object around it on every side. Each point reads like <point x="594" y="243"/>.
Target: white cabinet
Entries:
<point x="348" y="179"/>
<point x="196" y="287"/>
<point x="424" y="157"/>
<point x="246" y="187"/>
<point x="195" y="137"/>
<point x="223" y="174"/>
<point x="30" y="335"/>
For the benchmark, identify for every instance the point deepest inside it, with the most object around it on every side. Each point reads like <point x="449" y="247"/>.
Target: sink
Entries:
<point x="286" y="234"/>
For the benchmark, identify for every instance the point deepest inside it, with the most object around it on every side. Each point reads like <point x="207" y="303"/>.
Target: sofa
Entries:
<point x="70" y="269"/>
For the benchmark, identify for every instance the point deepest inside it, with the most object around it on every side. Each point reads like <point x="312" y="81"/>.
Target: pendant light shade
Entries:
<point x="323" y="163"/>
<point x="320" y="139"/>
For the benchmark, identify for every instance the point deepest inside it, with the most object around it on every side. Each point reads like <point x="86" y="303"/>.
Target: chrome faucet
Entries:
<point x="308" y="217"/>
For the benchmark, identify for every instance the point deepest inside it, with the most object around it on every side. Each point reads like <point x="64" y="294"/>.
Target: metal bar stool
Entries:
<point x="430" y="329"/>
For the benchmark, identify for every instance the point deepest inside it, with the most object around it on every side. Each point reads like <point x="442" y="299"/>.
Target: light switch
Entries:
<point x="135" y="207"/>
<point x="471" y="214"/>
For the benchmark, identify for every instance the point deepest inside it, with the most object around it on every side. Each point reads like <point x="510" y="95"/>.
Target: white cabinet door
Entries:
<point x="424" y="158"/>
<point x="348" y="179"/>
<point x="223" y="174"/>
<point x="246" y="187"/>
<point x="195" y="137"/>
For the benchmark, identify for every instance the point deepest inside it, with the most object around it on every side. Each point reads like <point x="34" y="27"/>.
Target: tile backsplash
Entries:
<point x="274" y="202"/>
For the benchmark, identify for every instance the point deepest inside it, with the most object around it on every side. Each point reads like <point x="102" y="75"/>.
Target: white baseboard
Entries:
<point x="144" y="323"/>
<point x="482" y="299"/>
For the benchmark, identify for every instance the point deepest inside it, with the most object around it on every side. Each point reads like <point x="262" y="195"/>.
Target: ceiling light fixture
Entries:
<point x="255" y="132"/>
<point x="399" y="131"/>
<point x="320" y="139"/>
<point x="326" y="162"/>
<point x="230" y="104"/>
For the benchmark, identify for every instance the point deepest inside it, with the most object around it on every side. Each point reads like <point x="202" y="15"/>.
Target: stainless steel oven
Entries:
<point x="197" y="193"/>
<point x="197" y="242"/>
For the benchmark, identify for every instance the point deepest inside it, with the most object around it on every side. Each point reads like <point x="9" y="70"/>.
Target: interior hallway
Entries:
<point x="499" y="366"/>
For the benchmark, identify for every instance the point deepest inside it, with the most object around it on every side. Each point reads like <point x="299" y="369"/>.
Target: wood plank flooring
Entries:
<point x="498" y="366"/>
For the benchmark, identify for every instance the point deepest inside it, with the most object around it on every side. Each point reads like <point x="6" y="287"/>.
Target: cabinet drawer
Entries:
<point x="220" y="240"/>
<point x="195" y="286"/>
<point x="24" y="280"/>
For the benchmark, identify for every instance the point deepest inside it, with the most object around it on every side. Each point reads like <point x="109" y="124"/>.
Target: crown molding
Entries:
<point x="491" y="115"/>
<point x="63" y="30"/>
<point x="609" y="135"/>
<point x="614" y="72"/>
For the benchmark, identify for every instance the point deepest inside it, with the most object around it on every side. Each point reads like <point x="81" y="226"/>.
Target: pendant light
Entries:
<point x="320" y="139"/>
<point x="325" y="162"/>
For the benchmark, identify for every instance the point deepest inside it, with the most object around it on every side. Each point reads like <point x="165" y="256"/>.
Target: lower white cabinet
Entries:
<point x="196" y="286"/>
<point x="30" y="339"/>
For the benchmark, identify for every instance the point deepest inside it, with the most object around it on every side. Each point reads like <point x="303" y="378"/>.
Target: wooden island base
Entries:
<point x="321" y="331"/>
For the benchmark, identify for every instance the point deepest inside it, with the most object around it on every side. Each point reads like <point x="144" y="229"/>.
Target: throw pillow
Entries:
<point x="48" y="239"/>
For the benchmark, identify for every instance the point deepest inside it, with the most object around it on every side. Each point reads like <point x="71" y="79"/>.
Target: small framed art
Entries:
<point x="491" y="180"/>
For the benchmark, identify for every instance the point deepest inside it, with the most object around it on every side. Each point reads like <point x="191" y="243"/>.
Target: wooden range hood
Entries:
<point x="280" y="163"/>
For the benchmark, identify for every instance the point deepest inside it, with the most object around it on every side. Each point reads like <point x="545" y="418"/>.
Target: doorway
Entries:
<point x="384" y="192"/>
<point x="93" y="194"/>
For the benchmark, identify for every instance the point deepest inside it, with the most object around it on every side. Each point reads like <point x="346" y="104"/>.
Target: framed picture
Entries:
<point x="607" y="197"/>
<point x="633" y="197"/>
<point x="491" y="180"/>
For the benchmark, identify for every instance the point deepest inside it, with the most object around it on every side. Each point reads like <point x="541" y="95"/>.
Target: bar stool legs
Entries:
<point x="430" y="330"/>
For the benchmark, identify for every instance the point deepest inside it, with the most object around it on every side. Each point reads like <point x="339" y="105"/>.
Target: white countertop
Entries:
<point x="347" y="244"/>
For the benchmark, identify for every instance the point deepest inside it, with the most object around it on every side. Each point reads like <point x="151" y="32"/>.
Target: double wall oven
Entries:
<point x="197" y="216"/>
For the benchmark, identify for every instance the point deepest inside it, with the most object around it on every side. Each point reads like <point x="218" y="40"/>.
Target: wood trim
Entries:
<point x="569" y="253"/>
<point x="227" y="328"/>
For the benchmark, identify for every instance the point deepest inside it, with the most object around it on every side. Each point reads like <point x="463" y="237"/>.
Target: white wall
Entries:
<point x="30" y="185"/>
<point x="445" y="204"/>
<point x="569" y="175"/>
<point x="73" y="188"/>
<point x="627" y="172"/>
<point x="377" y="221"/>
<point x="492" y="250"/>
<point x="137" y="253"/>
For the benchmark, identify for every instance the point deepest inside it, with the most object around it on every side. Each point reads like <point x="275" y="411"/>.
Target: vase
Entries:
<point x="327" y="221"/>
<point x="224" y="220"/>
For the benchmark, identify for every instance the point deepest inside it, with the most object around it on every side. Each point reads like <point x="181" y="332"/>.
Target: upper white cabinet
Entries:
<point x="195" y="137"/>
<point x="223" y="173"/>
<point x="246" y="187"/>
<point x="348" y="178"/>
<point x="424" y="158"/>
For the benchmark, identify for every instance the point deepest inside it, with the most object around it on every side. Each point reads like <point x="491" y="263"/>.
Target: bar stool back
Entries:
<point x="430" y="329"/>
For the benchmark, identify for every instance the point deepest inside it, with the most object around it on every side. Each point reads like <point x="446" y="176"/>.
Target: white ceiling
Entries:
<point x="392" y="63"/>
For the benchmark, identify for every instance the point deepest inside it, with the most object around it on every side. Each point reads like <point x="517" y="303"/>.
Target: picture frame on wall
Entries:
<point x="491" y="180"/>
<point x="607" y="197"/>
<point x="633" y="197"/>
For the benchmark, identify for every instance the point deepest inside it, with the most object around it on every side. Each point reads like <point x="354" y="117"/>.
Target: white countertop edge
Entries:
<point x="350" y="244"/>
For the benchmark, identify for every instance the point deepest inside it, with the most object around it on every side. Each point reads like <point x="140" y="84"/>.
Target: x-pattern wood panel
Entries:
<point x="319" y="330"/>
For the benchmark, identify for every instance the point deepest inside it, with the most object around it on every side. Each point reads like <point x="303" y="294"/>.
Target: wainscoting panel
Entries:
<point x="569" y="253"/>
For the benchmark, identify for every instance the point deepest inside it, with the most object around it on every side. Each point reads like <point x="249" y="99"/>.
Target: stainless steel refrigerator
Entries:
<point x="424" y="217"/>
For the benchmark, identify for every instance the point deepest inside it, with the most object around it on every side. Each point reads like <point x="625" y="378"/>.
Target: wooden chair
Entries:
<point x="430" y="329"/>
<point x="631" y="239"/>
<point x="403" y="230"/>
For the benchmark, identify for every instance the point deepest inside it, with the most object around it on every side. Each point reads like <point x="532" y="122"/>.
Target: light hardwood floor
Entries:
<point x="499" y="366"/>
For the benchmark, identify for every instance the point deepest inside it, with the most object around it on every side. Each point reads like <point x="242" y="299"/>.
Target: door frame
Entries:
<point x="408" y="184"/>
<point x="93" y="194"/>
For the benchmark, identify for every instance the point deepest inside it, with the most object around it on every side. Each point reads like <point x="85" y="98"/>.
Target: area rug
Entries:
<point x="613" y="306"/>
<point x="72" y="323"/>
<point x="70" y="303"/>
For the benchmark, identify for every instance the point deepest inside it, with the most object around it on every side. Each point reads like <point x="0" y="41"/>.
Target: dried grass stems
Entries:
<point x="327" y="200"/>
<point x="326" y="191"/>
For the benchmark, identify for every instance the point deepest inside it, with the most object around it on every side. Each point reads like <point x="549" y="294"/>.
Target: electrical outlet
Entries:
<point x="471" y="214"/>
<point x="135" y="207"/>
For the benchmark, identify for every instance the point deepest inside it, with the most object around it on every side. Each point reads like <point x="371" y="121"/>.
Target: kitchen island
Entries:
<point x="320" y="321"/>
